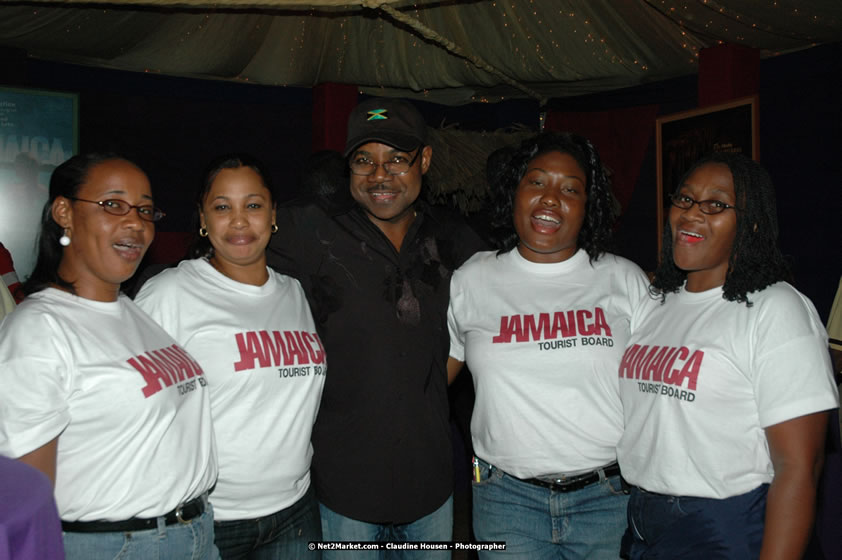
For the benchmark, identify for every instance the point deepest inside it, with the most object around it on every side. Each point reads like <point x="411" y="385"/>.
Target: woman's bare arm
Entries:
<point x="43" y="459"/>
<point x="797" y="450"/>
<point x="454" y="366"/>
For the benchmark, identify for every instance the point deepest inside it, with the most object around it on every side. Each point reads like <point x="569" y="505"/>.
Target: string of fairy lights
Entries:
<point x="534" y="42"/>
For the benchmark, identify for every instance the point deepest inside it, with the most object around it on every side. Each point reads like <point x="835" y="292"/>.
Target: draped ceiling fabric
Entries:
<point x="446" y="51"/>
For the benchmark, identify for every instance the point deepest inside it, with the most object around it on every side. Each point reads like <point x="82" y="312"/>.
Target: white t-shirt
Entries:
<point x="701" y="379"/>
<point x="128" y="405"/>
<point x="543" y="342"/>
<point x="265" y="366"/>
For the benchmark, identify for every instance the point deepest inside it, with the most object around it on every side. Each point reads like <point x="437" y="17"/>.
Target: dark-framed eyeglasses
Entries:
<point x="118" y="207"/>
<point x="706" y="206"/>
<point x="398" y="165"/>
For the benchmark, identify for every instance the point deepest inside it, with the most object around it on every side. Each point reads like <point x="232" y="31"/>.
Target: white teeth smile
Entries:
<point x="545" y="218"/>
<point x="692" y="234"/>
<point x="128" y="245"/>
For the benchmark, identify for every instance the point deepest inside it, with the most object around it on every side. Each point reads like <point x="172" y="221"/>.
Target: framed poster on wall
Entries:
<point x="682" y="138"/>
<point x="38" y="131"/>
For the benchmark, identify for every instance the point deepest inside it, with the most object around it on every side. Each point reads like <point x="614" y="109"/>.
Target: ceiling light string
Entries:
<point x="451" y="47"/>
<point x="726" y="13"/>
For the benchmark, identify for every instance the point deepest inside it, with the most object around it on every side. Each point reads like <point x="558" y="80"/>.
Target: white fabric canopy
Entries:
<point x="446" y="51"/>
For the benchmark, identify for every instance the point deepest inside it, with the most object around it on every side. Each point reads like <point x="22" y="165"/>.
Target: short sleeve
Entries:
<point x="637" y="286"/>
<point x="35" y="377"/>
<point x="457" y="335"/>
<point x="791" y="366"/>
<point x="158" y="298"/>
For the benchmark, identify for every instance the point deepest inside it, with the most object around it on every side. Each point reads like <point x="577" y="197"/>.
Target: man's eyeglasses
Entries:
<point x="398" y="165"/>
<point x="118" y="207"/>
<point x="706" y="206"/>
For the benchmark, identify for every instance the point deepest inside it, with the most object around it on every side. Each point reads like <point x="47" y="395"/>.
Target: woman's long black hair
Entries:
<point x="504" y="177"/>
<point x="65" y="181"/>
<point x="756" y="261"/>
<point x="201" y="246"/>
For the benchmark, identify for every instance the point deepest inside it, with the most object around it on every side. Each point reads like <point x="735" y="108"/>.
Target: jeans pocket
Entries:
<point x="683" y="506"/>
<point x="485" y="473"/>
<point x="614" y="486"/>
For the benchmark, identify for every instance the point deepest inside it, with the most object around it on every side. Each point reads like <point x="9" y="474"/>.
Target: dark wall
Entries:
<point x="801" y="146"/>
<point x="172" y="127"/>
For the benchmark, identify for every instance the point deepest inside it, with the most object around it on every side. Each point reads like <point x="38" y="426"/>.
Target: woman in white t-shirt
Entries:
<point x="726" y="381"/>
<point x="251" y="330"/>
<point x="542" y="324"/>
<point x="96" y="394"/>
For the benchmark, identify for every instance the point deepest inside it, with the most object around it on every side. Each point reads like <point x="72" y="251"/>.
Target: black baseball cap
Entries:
<point x="394" y="122"/>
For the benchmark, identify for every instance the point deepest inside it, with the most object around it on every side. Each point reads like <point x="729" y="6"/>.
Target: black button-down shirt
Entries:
<point x="382" y="449"/>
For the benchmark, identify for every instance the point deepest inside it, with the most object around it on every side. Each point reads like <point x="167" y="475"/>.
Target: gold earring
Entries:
<point x="274" y="228"/>
<point x="203" y="231"/>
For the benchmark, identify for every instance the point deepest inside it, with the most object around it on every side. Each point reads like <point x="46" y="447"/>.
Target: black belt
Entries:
<point x="577" y="482"/>
<point x="182" y="514"/>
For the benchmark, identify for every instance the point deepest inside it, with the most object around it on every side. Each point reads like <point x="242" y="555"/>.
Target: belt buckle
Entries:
<point x="178" y="516"/>
<point x="571" y="483"/>
<point x="568" y="480"/>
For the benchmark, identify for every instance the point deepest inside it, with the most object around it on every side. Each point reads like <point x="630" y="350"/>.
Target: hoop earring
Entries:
<point x="274" y="228"/>
<point x="203" y="232"/>
<point x="64" y="240"/>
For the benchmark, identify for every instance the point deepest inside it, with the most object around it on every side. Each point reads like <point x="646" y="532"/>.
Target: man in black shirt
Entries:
<point x="376" y="270"/>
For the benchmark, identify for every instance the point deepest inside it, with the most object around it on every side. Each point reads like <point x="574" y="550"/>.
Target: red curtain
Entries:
<point x="621" y="136"/>
<point x="332" y="104"/>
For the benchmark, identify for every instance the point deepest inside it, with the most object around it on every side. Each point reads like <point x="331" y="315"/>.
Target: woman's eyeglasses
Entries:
<point x="706" y="206"/>
<point x="118" y="207"/>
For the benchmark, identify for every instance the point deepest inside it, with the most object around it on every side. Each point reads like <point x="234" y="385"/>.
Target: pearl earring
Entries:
<point x="64" y="240"/>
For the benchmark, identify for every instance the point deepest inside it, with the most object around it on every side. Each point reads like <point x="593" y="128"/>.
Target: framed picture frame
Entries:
<point x="682" y="138"/>
<point x="39" y="130"/>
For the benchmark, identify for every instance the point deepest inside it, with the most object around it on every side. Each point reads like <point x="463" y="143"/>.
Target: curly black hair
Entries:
<point x="505" y="173"/>
<point x="756" y="261"/>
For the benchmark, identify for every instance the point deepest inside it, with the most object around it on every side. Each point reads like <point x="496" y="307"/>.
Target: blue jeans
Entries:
<point x="283" y="534"/>
<point x="193" y="541"/>
<point x="437" y="526"/>
<point x="538" y="523"/>
<point x="704" y="528"/>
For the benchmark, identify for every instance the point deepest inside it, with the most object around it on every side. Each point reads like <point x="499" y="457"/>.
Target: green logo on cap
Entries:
<point x="377" y="115"/>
